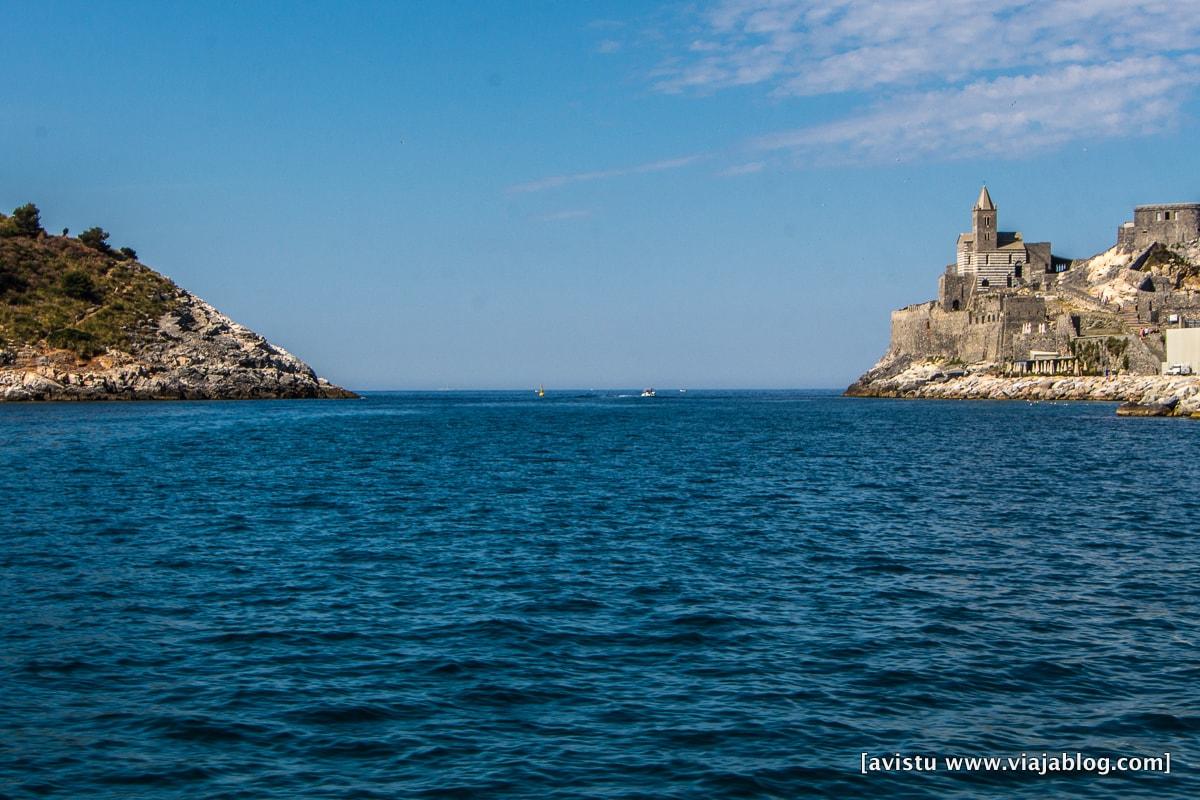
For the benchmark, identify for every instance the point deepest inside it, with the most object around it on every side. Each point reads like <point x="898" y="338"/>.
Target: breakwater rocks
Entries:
<point x="1144" y="395"/>
<point x="191" y="352"/>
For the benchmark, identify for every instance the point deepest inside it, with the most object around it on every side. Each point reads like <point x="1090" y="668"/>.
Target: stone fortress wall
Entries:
<point x="997" y="328"/>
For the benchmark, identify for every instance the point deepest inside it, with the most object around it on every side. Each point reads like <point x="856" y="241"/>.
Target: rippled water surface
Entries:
<point x="696" y="596"/>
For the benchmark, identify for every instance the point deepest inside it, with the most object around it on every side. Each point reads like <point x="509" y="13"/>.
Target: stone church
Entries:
<point x="991" y="260"/>
<point x="998" y="259"/>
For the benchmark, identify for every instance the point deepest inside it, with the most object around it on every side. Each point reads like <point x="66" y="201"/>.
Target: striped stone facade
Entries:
<point x="995" y="267"/>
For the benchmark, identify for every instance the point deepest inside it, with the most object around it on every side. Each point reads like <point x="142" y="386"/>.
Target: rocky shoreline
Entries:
<point x="1142" y="395"/>
<point x="193" y="352"/>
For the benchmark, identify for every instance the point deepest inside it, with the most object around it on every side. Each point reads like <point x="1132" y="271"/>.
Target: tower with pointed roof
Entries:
<point x="983" y="222"/>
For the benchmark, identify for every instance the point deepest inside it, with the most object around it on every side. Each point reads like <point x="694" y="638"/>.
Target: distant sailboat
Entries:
<point x="541" y="391"/>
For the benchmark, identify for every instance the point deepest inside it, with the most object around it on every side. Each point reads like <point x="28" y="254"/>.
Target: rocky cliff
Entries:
<point x="81" y="321"/>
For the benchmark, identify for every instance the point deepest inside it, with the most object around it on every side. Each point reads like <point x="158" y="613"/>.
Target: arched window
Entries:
<point x="985" y="282"/>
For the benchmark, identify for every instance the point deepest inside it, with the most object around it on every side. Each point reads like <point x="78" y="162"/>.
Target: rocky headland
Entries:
<point x="1006" y="328"/>
<point x="80" y="320"/>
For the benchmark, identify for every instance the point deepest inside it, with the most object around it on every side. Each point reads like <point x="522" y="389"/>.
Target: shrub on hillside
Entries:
<point x="25" y="221"/>
<point x="129" y="253"/>
<point x="81" y="343"/>
<point x="9" y="279"/>
<point x="96" y="238"/>
<point x="78" y="284"/>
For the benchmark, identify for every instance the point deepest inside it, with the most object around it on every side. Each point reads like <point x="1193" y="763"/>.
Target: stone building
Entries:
<point x="993" y="259"/>
<point x="993" y="296"/>
<point x="1017" y="308"/>
<point x="1164" y="223"/>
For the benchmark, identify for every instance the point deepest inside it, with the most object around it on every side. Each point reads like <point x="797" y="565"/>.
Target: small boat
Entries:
<point x="541" y="391"/>
<point x="647" y="393"/>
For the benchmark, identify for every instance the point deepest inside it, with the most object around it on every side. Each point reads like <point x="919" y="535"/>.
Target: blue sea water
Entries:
<point x="708" y="595"/>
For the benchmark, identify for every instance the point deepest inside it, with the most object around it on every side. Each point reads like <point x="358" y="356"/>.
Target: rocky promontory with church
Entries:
<point x="1012" y="320"/>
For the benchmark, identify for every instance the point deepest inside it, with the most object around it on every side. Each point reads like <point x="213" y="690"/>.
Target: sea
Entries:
<point x="597" y="595"/>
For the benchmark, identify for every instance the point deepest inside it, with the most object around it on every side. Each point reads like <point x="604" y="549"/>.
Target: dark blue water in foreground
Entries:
<point x="697" y="596"/>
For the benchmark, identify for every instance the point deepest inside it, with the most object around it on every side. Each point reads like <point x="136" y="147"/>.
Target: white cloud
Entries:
<point x="743" y="169"/>
<point x="608" y="46"/>
<point x="555" y="181"/>
<point x="1004" y="117"/>
<point x="948" y="77"/>
<point x="822" y="46"/>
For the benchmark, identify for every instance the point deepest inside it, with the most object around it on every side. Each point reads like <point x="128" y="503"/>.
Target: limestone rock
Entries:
<point x="196" y="353"/>
<point x="1166" y="395"/>
<point x="1145" y="409"/>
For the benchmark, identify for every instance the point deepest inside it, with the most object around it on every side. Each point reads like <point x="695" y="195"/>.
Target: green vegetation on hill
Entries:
<point x="1178" y="263"/>
<point x="1162" y="260"/>
<point x="74" y="294"/>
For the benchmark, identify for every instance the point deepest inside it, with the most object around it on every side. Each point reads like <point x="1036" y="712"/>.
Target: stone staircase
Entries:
<point x="1135" y="325"/>
<point x="1153" y="342"/>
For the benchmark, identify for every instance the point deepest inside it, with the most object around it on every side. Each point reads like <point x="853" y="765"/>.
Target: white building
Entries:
<point x="1183" y="347"/>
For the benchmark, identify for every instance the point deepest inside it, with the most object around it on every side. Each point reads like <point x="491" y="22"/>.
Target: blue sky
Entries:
<point x="497" y="195"/>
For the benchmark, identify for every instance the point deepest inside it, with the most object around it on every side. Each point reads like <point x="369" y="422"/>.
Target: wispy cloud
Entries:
<point x="947" y="78"/>
<point x="559" y="216"/>
<point x="743" y="169"/>
<point x="608" y="46"/>
<point x="1005" y="117"/>
<point x="555" y="181"/>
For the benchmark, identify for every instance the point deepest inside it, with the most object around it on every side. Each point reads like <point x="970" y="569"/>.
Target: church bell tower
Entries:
<point x="983" y="222"/>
